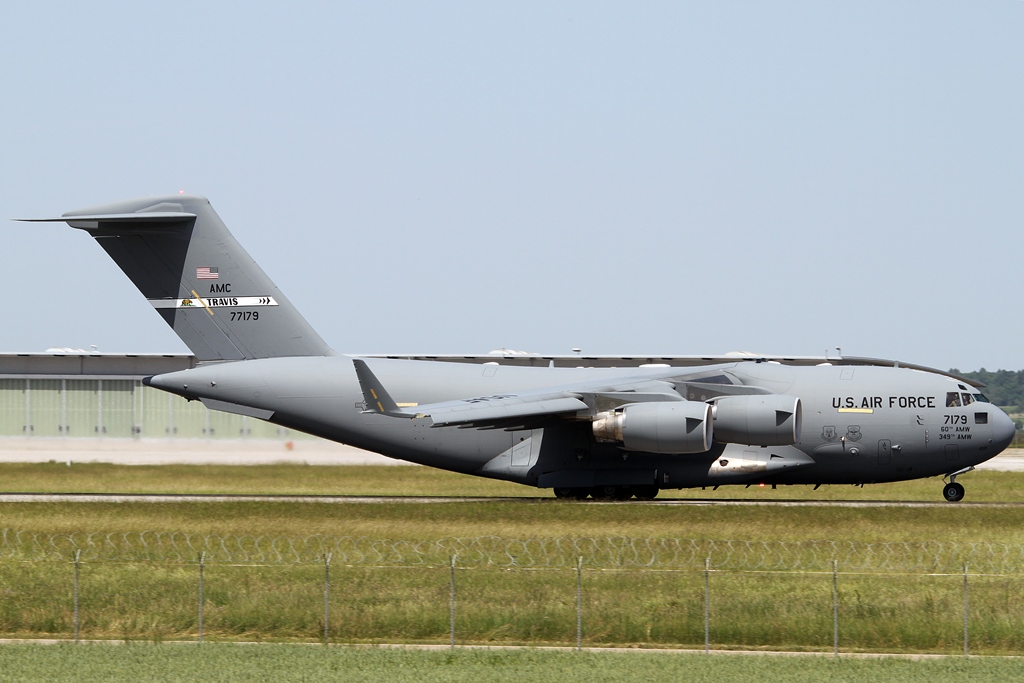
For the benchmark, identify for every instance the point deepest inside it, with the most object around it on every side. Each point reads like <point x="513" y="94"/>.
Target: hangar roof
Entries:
<point x="86" y="365"/>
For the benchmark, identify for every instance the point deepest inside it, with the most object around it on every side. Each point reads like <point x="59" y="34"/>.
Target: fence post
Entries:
<point x="835" y="608"/>
<point x="579" y="603"/>
<point x="707" y="607"/>
<point x="327" y="597"/>
<point x="78" y="557"/>
<point x="202" y="562"/>
<point x="451" y="604"/>
<point x="966" y="651"/>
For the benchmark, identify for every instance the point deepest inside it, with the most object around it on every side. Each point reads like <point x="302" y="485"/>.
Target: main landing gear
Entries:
<point x="608" y="493"/>
<point x="954" y="491"/>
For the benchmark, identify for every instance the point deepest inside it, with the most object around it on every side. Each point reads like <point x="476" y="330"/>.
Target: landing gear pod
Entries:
<point x="770" y="420"/>
<point x="667" y="427"/>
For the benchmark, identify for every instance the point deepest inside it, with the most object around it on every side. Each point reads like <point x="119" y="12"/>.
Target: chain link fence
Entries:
<point x="927" y="596"/>
<point x="615" y="552"/>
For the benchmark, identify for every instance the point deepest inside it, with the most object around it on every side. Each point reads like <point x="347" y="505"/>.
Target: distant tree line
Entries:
<point x="1003" y="387"/>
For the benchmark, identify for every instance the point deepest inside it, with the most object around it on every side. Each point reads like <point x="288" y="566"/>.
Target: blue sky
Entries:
<point x="677" y="178"/>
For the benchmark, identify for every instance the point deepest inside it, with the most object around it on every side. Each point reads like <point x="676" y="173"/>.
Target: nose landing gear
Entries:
<point x="954" y="491"/>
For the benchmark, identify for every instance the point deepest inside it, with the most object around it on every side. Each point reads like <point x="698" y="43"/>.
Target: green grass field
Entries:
<point x="156" y="601"/>
<point x="310" y="664"/>
<point x="529" y="519"/>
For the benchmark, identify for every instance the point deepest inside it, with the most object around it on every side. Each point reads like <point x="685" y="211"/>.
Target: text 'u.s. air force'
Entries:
<point x="870" y="402"/>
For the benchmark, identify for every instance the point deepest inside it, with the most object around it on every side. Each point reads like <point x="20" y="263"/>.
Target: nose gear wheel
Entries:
<point x="953" y="492"/>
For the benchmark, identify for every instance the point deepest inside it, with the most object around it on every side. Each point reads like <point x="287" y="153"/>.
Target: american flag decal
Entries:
<point x="207" y="273"/>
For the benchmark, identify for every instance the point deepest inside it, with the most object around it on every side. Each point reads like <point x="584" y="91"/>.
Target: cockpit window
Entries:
<point x="968" y="399"/>
<point x="953" y="399"/>
<point x="981" y="398"/>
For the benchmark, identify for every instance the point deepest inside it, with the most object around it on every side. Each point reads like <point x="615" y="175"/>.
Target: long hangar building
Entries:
<point x="75" y="393"/>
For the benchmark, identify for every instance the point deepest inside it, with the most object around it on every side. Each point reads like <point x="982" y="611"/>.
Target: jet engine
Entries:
<point x="659" y="427"/>
<point x="768" y="420"/>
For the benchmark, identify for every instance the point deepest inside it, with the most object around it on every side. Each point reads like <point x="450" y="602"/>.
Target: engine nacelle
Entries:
<point x="769" y="420"/>
<point x="667" y="427"/>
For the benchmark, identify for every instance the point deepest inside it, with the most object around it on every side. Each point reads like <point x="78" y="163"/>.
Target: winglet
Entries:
<point x="377" y="399"/>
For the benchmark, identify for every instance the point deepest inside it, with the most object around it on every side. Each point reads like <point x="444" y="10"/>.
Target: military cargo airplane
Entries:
<point x="606" y="428"/>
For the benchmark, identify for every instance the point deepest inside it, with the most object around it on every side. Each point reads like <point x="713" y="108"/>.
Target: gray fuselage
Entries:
<point x="860" y="424"/>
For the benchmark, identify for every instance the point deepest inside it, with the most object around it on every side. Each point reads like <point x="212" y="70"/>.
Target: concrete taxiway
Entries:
<point x="378" y="500"/>
<point x="187" y="452"/>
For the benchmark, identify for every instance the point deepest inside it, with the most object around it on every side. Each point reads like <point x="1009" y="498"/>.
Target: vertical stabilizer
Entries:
<point x="184" y="260"/>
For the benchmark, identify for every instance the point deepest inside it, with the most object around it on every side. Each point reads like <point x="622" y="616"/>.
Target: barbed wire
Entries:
<point x="494" y="551"/>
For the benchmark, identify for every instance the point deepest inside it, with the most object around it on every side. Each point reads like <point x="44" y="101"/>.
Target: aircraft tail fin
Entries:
<point x="200" y="280"/>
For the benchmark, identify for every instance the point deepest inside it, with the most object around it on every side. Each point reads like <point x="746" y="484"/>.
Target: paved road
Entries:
<point x="638" y="651"/>
<point x="377" y="500"/>
<point x="187" y="452"/>
<point x="1011" y="461"/>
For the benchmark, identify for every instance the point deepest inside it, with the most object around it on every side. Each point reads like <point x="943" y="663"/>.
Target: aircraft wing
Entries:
<point x="476" y="411"/>
<point x="496" y="410"/>
<point x="501" y="410"/>
<point x="603" y="361"/>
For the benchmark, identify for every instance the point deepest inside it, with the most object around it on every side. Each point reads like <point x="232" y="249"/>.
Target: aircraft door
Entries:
<point x="884" y="451"/>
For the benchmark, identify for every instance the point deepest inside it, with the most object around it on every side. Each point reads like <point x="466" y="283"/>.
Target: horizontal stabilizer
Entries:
<point x="144" y="217"/>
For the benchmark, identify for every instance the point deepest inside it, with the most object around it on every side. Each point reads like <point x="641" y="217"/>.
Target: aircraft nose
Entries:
<point x="1003" y="429"/>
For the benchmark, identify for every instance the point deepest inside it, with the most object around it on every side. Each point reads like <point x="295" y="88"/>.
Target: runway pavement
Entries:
<point x="413" y="500"/>
<point x="187" y="451"/>
<point x="1012" y="460"/>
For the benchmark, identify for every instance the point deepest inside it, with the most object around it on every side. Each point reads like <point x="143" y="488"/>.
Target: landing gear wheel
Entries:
<point x="565" y="493"/>
<point x="645" y="492"/>
<point x="604" y="492"/>
<point x="953" y="492"/>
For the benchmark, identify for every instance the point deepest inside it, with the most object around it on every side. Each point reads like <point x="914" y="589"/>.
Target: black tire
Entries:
<point x="645" y="492"/>
<point x="953" y="492"/>
<point x="565" y="493"/>
<point x="604" y="492"/>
